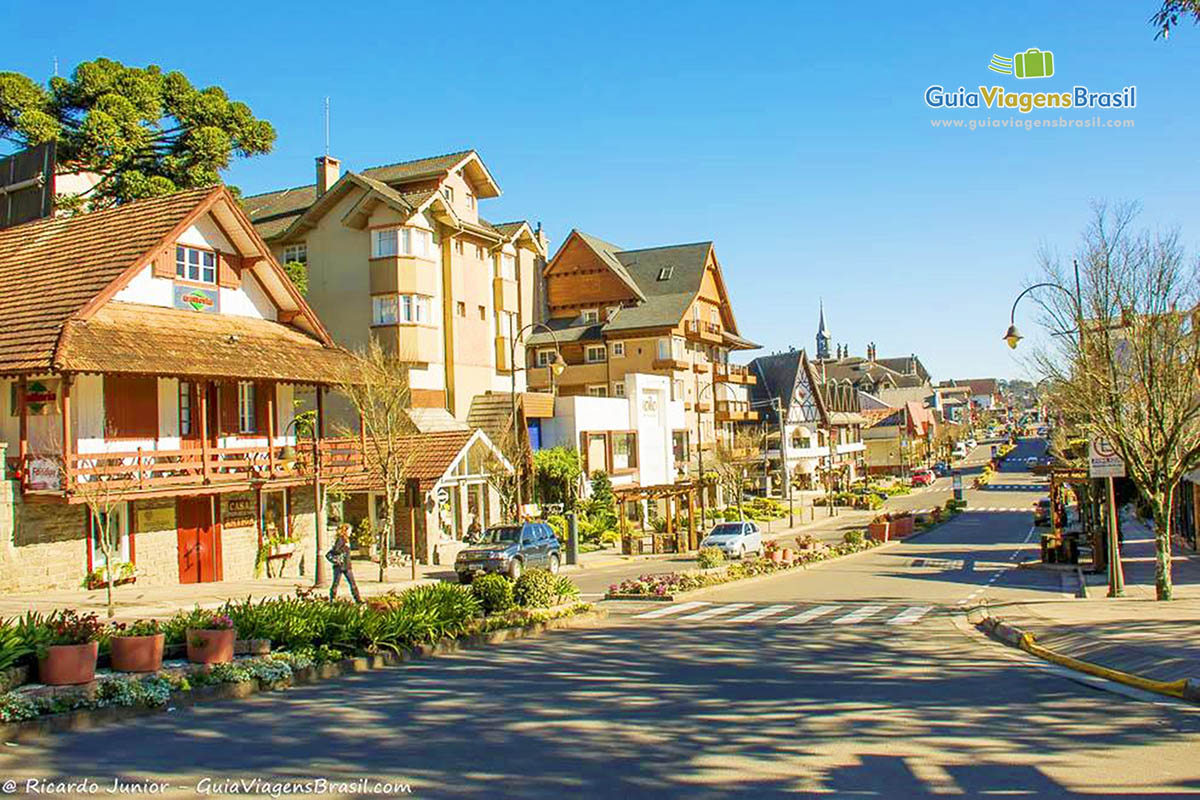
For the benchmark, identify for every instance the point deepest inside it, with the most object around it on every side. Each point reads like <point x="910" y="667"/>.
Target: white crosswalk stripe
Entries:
<point x="808" y="616"/>
<point x="909" y="615"/>
<point x="715" y="611"/>
<point x="781" y="613"/>
<point x="668" y="610"/>
<point x="761" y="613"/>
<point x="855" y="617"/>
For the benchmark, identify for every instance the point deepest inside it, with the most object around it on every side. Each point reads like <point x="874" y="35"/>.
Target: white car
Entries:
<point x="971" y="444"/>
<point x="735" y="539"/>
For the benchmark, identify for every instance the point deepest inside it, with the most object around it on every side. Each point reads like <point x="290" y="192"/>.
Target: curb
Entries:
<point x="85" y="719"/>
<point x="1182" y="689"/>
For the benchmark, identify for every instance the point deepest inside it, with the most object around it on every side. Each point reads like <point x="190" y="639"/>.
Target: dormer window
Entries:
<point x="448" y="193"/>
<point x="193" y="264"/>
<point x="470" y="199"/>
<point x="664" y="274"/>
<point x="296" y="252"/>
<point x="590" y="315"/>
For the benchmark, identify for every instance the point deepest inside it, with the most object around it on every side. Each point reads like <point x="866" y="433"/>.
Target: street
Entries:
<point x="854" y="677"/>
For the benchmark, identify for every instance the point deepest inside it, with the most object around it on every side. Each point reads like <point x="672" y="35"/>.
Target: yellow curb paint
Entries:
<point x="1169" y="688"/>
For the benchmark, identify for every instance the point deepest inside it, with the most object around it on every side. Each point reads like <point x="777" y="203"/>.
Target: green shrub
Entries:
<point x="564" y="589"/>
<point x="710" y="557"/>
<point x="855" y="538"/>
<point x="495" y="593"/>
<point x="559" y="523"/>
<point x="14" y="648"/>
<point x="610" y="537"/>
<point x="535" y="589"/>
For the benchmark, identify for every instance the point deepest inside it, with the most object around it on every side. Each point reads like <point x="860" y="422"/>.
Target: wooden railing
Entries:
<point x="733" y="373"/>
<point x="131" y="472"/>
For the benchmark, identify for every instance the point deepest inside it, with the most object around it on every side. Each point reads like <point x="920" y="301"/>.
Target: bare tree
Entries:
<point x="377" y="386"/>
<point x="1123" y="363"/>
<point x="102" y="481"/>
<point x="732" y="463"/>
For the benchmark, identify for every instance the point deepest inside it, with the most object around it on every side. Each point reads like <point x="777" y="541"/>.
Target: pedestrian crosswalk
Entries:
<point x="844" y="614"/>
<point x="968" y="509"/>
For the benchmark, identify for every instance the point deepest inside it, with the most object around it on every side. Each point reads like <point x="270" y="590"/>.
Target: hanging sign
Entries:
<point x="1103" y="460"/>
<point x="191" y="298"/>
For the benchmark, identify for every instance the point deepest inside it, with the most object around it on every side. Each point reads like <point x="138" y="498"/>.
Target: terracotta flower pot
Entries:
<point x="776" y="556"/>
<point x="67" y="664"/>
<point x="787" y="554"/>
<point x="210" y="646"/>
<point x="137" y="653"/>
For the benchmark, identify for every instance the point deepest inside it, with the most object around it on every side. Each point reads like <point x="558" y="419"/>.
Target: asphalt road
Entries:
<point x="870" y="699"/>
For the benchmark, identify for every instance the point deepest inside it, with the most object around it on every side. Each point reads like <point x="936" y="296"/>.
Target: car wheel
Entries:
<point x="742" y="551"/>
<point x="515" y="567"/>
<point x="464" y="577"/>
<point x="553" y="565"/>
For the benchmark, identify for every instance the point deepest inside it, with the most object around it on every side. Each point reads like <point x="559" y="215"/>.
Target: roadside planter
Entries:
<point x="137" y="647"/>
<point x="213" y="643"/>
<point x="67" y="648"/>
<point x="879" y="531"/>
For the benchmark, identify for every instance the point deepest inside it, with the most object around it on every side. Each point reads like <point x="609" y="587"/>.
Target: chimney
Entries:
<point x="329" y="169"/>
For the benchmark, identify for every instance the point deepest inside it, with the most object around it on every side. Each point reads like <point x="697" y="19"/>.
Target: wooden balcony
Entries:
<point x="733" y="373"/>
<point x="702" y="367"/>
<point x="419" y="344"/>
<point x="670" y="364"/>
<point x="403" y="275"/>
<point x="503" y="354"/>
<point x="735" y="411"/>
<point x="704" y="331"/>
<point x="155" y="473"/>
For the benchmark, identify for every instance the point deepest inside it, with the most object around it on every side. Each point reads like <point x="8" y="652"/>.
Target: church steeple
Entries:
<point x="823" y="337"/>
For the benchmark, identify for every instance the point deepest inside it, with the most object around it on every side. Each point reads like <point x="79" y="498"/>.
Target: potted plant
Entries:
<point x="122" y="574"/>
<point x="879" y="528"/>
<point x="210" y="638"/>
<point x="67" y="648"/>
<point x="136" y="647"/>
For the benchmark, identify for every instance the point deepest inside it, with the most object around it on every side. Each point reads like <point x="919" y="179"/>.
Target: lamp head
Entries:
<point x="287" y="456"/>
<point x="558" y="364"/>
<point x="1013" y="336"/>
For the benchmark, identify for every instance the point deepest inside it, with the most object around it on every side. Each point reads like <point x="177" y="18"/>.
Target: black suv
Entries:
<point x="510" y="550"/>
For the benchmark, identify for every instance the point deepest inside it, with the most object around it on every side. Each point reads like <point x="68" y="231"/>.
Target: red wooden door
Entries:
<point x="199" y="541"/>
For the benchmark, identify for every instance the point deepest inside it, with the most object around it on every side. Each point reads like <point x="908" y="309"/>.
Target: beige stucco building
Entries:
<point x="400" y="253"/>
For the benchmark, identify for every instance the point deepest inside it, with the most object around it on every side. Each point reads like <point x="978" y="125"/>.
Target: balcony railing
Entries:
<point x="733" y="373"/>
<point x="131" y="473"/>
<point x="699" y="329"/>
<point x="674" y="364"/>
<point x="735" y="411"/>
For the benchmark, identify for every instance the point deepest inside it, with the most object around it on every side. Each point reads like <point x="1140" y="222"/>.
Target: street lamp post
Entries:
<point x="1116" y="576"/>
<point x="555" y="367"/>
<point x="700" y="447"/>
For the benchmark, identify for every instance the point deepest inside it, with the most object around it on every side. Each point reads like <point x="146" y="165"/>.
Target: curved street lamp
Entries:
<point x="1013" y="336"/>
<point x="556" y="368"/>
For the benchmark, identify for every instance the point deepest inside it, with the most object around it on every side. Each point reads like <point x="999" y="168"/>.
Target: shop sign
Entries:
<point x="240" y="511"/>
<point x="44" y="475"/>
<point x="191" y="298"/>
<point x="159" y="518"/>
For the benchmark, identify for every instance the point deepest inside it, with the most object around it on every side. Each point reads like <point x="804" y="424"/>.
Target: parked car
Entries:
<point x="941" y="468"/>
<point x="971" y="443"/>
<point x="960" y="450"/>
<point x="735" y="539"/>
<point x="922" y="477"/>
<point x="1041" y="511"/>
<point x="510" y="550"/>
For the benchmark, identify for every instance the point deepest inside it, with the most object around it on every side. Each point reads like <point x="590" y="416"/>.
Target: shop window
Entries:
<point x="276" y="526"/>
<point x="116" y="526"/>
<point x="624" y="446"/>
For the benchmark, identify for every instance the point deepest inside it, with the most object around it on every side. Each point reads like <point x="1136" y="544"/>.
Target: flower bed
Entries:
<point x="669" y="585"/>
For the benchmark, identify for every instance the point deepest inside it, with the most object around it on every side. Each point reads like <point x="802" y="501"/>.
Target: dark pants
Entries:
<point x="338" y="572"/>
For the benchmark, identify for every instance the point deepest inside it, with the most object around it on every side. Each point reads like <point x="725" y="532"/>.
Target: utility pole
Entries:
<point x="783" y="465"/>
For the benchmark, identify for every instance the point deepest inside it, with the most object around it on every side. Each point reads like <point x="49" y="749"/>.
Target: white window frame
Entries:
<point x="508" y="266"/>
<point x="448" y="193"/>
<point x="618" y="388"/>
<point x="664" y="348"/>
<point x="597" y="390"/>
<point x="121" y="556"/>
<point x="470" y="199"/>
<point x="246" y="407"/>
<point x="401" y="241"/>
<point x="202" y="268"/>
<point x="385" y="242"/>
<point x="590" y="352"/>
<point x="590" y="315"/>
<point x="296" y="252"/>
<point x="544" y="358"/>
<point x="618" y="350"/>
<point x="262" y="513"/>
<point x="385" y="309"/>
<point x="187" y="416"/>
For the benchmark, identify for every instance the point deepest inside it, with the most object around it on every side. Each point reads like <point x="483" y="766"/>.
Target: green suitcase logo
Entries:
<point x="1033" y="63"/>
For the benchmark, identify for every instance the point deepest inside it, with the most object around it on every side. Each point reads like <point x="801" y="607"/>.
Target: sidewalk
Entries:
<point x="1135" y="634"/>
<point x="134" y="602"/>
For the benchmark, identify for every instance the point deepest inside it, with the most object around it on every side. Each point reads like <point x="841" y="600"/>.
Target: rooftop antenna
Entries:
<point x="56" y="66"/>
<point x="326" y="126"/>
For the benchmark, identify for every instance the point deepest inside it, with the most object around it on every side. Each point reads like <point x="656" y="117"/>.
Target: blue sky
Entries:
<point x="793" y="135"/>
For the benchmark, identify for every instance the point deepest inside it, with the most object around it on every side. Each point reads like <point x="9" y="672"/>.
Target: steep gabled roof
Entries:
<point x="668" y="299"/>
<point x="437" y="166"/>
<point x="50" y="269"/>
<point x="608" y="254"/>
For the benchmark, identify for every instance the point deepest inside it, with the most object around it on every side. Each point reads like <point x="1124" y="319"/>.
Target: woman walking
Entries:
<point x="339" y="556"/>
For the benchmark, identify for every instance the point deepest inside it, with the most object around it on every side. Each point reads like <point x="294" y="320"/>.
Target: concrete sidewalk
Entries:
<point x="1135" y="634"/>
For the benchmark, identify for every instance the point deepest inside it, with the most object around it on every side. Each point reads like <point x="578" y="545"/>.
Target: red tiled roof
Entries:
<point x="49" y="269"/>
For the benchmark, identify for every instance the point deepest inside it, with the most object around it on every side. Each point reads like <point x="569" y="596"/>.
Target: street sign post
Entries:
<point x="958" y="487"/>
<point x="1105" y="462"/>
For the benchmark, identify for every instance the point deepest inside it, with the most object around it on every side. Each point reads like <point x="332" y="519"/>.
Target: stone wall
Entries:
<point x="43" y="544"/>
<point x="155" y="541"/>
<point x="239" y="535"/>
